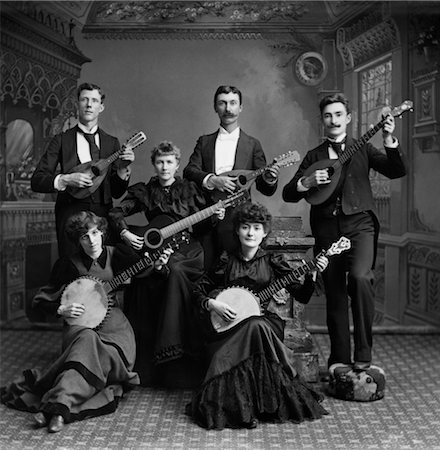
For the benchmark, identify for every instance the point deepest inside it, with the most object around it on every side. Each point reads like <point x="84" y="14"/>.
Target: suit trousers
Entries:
<point x="349" y="275"/>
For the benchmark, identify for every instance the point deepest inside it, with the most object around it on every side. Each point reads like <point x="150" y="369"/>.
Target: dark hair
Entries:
<point x="165" y="148"/>
<point x="334" y="98"/>
<point x="90" y="87"/>
<point x="252" y="213"/>
<point x="227" y="90"/>
<point x="80" y="223"/>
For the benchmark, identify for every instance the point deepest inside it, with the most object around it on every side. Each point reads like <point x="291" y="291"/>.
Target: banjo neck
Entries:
<point x="141" y="265"/>
<point x="268" y="292"/>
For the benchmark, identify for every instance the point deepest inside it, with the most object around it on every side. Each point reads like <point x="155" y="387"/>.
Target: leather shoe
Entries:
<point x="40" y="420"/>
<point x="56" y="424"/>
<point x="252" y="424"/>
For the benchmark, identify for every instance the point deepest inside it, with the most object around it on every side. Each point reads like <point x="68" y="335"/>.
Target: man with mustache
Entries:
<point x="229" y="148"/>
<point x="83" y="143"/>
<point x="349" y="211"/>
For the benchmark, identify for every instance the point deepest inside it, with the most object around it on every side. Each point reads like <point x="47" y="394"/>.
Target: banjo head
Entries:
<point x="243" y="301"/>
<point x="90" y="292"/>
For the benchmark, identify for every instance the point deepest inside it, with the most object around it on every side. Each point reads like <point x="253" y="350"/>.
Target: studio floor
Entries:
<point x="407" y="418"/>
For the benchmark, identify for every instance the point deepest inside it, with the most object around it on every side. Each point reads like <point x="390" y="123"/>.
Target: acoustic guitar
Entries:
<point x="93" y="293"/>
<point x="98" y="169"/>
<point x="319" y="194"/>
<point x="247" y="303"/>
<point x="154" y="236"/>
<point x="245" y="178"/>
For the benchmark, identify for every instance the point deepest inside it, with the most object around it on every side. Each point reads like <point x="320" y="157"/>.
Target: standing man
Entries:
<point x="349" y="211"/>
<point x="82" y="143"/>
<point x="229" y="148"/>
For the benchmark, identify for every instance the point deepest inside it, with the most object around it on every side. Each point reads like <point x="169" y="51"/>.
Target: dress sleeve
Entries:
<point x="131" y="204"/>
<point x="47" y="298"/>
<point x="211" y="283"/>
<point x="302" y="292"/>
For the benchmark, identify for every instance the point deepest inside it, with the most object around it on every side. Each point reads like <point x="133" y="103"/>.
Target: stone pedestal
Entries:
<point x="288" y="238"/>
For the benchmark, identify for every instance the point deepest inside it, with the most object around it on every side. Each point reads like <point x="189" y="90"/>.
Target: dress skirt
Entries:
<point x="250" y="377"/>
<point x="164" y="318"/>
<point x="89" y="377"/>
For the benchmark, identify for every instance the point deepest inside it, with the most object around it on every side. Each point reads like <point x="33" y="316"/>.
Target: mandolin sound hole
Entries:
<point x="242" y="180"/>
<point x="153" y="238"/>
<point x="95" y="171"/>
<point x="330" y="171"/>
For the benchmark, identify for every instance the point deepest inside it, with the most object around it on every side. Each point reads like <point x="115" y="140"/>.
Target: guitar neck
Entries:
<point x="268" y="292"/>
<point x="133" y="270"/>
<point x="347" y="154"/>
<point x="187" y="222"/>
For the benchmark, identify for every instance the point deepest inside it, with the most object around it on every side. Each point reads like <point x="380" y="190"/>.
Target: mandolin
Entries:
<point x="247" y="304"/>
<point x="93" y="293"/>
<point x="98" y="169"/>
<point x="245" y="178"/>
<point x="319" y="194"/>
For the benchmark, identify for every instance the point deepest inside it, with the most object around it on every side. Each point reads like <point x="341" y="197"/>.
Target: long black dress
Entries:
<point x="95" y="367"/>
<point x="160" y="306"/>
<point x="249" y="375"/>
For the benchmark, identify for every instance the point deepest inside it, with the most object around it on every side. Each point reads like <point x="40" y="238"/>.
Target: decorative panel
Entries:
<point x="424" y="283"/>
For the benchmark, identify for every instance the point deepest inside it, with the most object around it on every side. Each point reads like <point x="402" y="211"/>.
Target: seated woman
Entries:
<point x="250" y="376"/>
<point x="95" y="366"/>
<point x="160" y="307"/>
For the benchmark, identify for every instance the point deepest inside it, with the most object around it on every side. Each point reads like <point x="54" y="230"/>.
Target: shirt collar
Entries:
<point x="225" y="136"/>
<point x="87" y="261"/>
<point x="339" y="139"/>
<point x="85" y="130"/>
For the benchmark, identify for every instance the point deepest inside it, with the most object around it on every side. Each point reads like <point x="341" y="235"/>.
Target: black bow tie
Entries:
<point x="337" y="146"/>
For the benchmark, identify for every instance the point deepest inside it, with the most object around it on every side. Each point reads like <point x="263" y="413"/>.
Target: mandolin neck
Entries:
<point x="348" y="153"/>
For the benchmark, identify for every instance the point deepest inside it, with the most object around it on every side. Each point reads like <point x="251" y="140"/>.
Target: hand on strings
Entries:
<point x="316" y="178"/>
<point x="220" y="213"/>
<point x="133" y="240"/>
<point x="127" y="154"/>
<point x="388" y="129"/>
<point x="321" y="263"/>
<point x="222" y="309"/>
<point x="271" y="174"/>
<point x="71" y="311"/>
<point x="223" y="183"/>
<point x="76" y="179"/>
<point x="163" y="259"/>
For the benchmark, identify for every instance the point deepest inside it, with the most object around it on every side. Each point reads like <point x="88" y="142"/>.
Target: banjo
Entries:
<point x="94" y="293"/>
<point x="246" y="303"/>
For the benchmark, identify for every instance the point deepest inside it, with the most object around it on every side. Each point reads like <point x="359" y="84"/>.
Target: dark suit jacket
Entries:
<point x="356" y="190"/>
<point x="62" y="150"/>
<point x="248" y="156"/>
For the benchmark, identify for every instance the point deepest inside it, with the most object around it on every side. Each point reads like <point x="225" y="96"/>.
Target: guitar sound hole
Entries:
<point x="95" y="171"/>
<point x="153" y="238"/>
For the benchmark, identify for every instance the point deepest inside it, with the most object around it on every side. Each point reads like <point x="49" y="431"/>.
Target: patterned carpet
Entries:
<point x="407" y="418"/>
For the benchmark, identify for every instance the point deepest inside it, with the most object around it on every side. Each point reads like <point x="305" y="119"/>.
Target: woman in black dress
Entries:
<point x="250" y="376"/>
<point x="160" y="307"/>
<point x="95" y="366"/>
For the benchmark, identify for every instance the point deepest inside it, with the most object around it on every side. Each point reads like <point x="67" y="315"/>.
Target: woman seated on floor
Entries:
<point x="250" y="375"/>
<point x="95" y="367"/>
